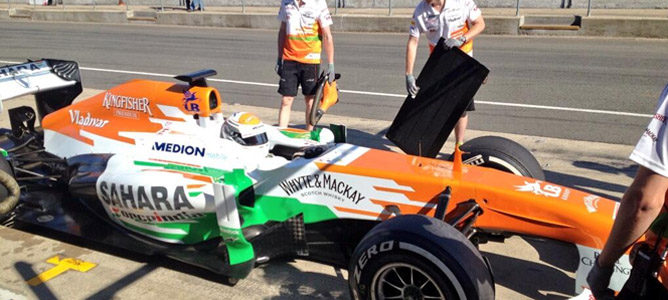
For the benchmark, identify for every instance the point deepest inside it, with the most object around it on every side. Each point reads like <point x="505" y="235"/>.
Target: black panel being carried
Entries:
<point x="448" y="82"/>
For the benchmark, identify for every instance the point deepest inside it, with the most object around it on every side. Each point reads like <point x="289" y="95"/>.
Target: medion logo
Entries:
<point x="77" y="118"/>
<point x="156" y="198"/>
<point x="126" y="102"/>
<point x="177" y="148"/>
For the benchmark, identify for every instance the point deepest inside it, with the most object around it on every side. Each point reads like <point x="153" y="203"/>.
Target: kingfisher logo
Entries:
<point x="178" y="148"/>
<point x="188" y="101"/>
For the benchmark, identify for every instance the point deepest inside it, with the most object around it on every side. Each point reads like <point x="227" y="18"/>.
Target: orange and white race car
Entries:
<point x="155" y="167"/>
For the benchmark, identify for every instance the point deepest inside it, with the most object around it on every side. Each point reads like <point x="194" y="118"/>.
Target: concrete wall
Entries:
<point x="395" y="3"/>
<point x="627" y="27"/>
<point x="74" y="16"/>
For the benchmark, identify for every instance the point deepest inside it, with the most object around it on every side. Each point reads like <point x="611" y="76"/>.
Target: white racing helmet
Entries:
<point x="248" y="131"/>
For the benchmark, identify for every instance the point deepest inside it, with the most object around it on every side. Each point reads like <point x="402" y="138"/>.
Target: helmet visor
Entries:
<point x="255" y="140"/>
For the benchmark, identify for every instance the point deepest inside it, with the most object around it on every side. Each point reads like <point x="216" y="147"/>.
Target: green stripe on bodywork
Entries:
<point x="3" y="152"/>
<point x="206" y="171"/>
<point x="311" y="135"/>
<point x="238" y="248"/>
<point x="269" y="208"/>
<point x="198" y="230"/>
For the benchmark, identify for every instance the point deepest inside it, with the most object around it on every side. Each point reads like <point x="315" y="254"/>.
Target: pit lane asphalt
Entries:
<point x="610" y="74"/>
<point x="525" y="268"/>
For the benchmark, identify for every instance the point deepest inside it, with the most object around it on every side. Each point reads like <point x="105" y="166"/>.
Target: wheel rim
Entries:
<point x="404" y="281"/>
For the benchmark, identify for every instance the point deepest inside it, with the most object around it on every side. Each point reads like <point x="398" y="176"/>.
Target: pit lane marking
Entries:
<point x="571" y="109"/>
<point x="61" y="266"/>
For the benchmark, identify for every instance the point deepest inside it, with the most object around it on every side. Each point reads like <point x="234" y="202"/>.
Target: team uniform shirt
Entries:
<point x="303" y="41"/>
<point x="452" y="22"/>
<point x="652" y="149"/>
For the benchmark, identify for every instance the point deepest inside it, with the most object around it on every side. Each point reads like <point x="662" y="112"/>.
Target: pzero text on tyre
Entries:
<point x="418" y="257"/>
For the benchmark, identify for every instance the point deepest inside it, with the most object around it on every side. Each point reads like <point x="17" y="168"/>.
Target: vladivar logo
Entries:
<point x="76" y="117"/>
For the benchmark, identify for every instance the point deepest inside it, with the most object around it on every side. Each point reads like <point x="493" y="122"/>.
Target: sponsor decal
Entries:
<point x="126" y="114"/>
<point x="188" y="99"/>
<point x="156" y="198"/>
<point x="77" y="118"/>
<point x="368" y="254"/>
<point x="565" y="194"/>
<point x="588" y="256"/>
<point x="178" y="148"/>
<point x="538" y="189"/>
<point x="591" y="202"/>
<point x="649" y="133"/>
<point x="126" y="102"/>
<point x="321" y="185"/>
<point x="156" y="218"/>
<point x="16" y="70"/>
<point x="660" y="117"/>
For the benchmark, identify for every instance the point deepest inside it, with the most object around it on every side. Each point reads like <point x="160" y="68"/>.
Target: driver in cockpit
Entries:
<point x="247" y="130"/>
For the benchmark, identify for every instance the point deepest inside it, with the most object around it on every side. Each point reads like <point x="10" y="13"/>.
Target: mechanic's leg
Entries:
<point x="284" y="111"/>
<point x="460" y="128"/>
<point x="308" y="101"/>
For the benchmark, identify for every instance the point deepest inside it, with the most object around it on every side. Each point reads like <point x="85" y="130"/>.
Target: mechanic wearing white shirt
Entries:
<point x="642" y="202"/>
<point x="458" y="21"/>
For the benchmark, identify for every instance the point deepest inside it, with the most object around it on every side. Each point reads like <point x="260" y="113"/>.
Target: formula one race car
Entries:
<point x="155" y="168"/>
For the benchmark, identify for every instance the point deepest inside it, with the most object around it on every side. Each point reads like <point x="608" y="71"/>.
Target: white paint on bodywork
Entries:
<point x="588" y="257"/>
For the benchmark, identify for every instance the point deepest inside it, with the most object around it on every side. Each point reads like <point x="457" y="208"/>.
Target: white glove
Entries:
<point x="455" y="42"/>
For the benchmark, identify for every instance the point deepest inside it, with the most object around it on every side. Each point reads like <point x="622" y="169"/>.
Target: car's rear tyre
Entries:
<point x="502" y="154"/>
<point x="418" y="257"/>
<point x="9" y="190"/>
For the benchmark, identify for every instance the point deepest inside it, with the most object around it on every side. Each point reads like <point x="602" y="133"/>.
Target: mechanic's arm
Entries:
<point x="411" y="51"/>
<point x="328" y="44"/>
<point x="281" y="40"/>
<point x="640" y="205"/>
<point x="477" y="26"/>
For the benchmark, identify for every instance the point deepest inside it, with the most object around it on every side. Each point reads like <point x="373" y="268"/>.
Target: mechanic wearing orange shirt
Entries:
<point x="303" y="33"/>
<point x="458" y="21"/>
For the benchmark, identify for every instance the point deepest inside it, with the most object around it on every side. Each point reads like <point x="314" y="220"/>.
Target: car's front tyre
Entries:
<point x="418" y="257"/>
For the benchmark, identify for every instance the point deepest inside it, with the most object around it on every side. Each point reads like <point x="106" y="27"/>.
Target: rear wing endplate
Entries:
<point x="55" y="83"/>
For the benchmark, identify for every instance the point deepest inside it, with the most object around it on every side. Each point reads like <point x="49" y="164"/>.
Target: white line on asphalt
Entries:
<point x="594" y="111"/>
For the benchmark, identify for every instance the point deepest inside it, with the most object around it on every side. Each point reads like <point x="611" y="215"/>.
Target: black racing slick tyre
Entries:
<point x="418" y="257"/>
<point x="9" y="190"/>
<point x="502" y="154"/>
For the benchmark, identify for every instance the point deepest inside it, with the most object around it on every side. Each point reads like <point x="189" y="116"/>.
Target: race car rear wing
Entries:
<point x="55" y="83"/>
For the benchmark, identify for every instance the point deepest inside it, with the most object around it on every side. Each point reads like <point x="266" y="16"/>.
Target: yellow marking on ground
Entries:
<point x="61" y="266"/>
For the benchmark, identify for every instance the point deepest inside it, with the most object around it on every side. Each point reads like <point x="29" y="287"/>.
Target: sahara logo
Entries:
<point x="591" y="202"/>
<point x="155" y="198"/>
<point x="77" y="118"/>
<point x="125" y="102"/>
<point x="16" y="70"/>
<point x="188" y="99"/>
<point x="324" y="183"/>
<point x="179" y="149"/>
<point x="536" y="188"/>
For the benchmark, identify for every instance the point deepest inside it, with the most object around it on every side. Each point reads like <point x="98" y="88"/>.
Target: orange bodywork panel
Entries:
<point x="132" y="107"/>
<point x="537" y="208"/>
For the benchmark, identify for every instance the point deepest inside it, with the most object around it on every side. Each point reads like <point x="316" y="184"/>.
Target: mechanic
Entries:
<point x="641" y="204"/>
<point x="304" y="31"/>
<point x="457" y="21"/>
